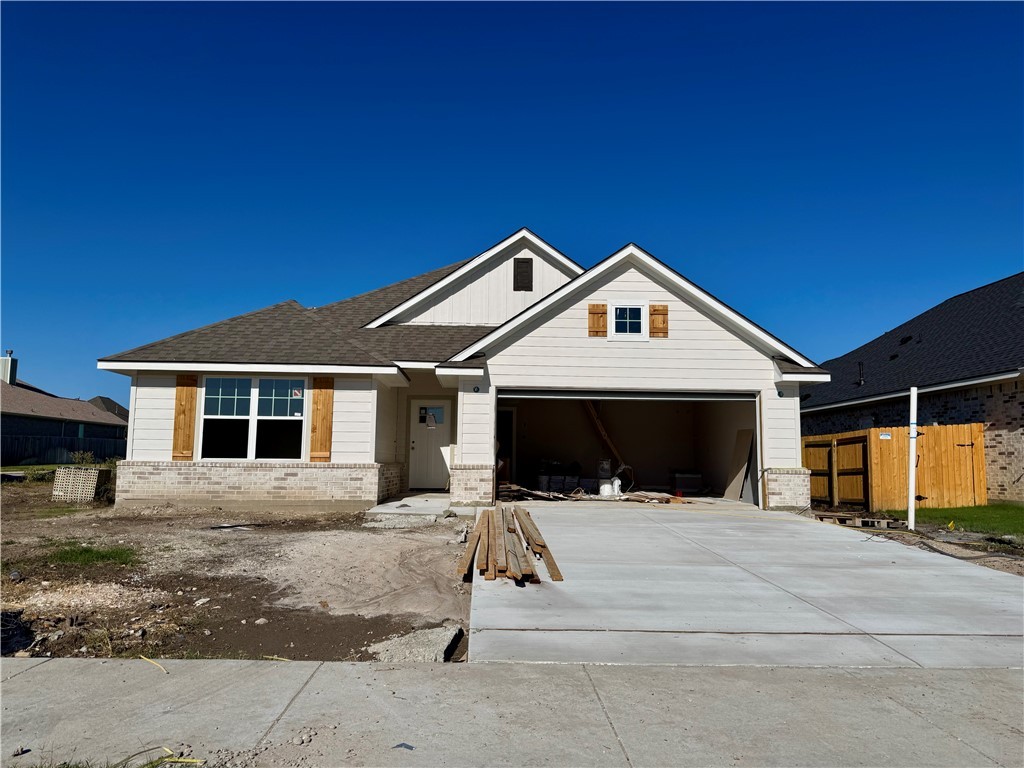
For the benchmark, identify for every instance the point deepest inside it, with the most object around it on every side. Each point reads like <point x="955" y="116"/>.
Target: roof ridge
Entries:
<point x="205" y="327"/>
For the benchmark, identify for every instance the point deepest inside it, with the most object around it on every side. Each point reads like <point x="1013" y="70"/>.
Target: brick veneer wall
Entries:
<point x="472" y="483"/>
<point x="999" y="406"/>
<point x="392" y="480"/>
<point x="788" y="488"/>
<point x="229" y="481"/>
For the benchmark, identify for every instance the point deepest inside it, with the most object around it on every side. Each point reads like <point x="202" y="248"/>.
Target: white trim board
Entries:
<point x="670" y="278"/>
<point x="921" y="390"/>
<point x="523" y="234"/>
<point x="131" y="367"/>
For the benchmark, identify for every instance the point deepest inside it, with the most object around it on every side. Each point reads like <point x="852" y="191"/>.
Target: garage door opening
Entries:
<point x="682" y="444"/>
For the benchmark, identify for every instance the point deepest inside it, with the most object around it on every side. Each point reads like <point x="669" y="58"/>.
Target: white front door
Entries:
<point x="430" y="432"/>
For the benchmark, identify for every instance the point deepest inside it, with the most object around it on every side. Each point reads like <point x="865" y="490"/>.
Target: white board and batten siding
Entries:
<point x="476" y="422"/>
<point x="151" y="425"/>
<point x="485" y="297"/>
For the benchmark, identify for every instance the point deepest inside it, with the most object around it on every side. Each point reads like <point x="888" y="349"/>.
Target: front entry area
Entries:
<point x="430" y="433"/>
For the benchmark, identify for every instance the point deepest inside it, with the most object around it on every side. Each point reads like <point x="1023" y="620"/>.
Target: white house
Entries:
<point x="492" y="368"/>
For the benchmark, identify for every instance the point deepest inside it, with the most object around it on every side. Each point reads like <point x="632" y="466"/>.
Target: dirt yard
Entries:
<point x="172" y="581"/>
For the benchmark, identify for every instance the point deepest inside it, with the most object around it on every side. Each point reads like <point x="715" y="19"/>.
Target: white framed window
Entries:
<point x="257" y="419"/>
<point x="628" y="321"/>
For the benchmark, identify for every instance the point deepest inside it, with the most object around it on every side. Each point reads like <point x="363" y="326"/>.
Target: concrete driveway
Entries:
<point x="721" y="583"/>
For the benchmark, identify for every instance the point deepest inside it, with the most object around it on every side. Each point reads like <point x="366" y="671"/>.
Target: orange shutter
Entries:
<point x="659" y="321"/>
<point x="597" y="320"/>
<point x="322" y="418"/>
<point x="184" y="439"/>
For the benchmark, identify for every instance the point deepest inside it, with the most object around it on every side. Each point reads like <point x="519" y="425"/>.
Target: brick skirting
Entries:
<point x="788" y="488"/>
<point x="247" y="482"/>
<point x="472" y="483"/>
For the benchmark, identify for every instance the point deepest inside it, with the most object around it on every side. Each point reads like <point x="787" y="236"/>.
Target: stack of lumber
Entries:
<point x="506" y="542"/>
<point x="513" y="492"/>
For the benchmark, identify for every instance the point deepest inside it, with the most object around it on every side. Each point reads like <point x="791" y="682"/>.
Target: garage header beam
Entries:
<point x="581" y="394"/>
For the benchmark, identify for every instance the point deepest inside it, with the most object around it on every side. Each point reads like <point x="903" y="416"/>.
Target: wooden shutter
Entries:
<point x="184" y="439"/>
<point x="522" y="275"/>
<point x="321" y="419"/>
<point x="597" y="320"/>
<point x="659" y="321"/>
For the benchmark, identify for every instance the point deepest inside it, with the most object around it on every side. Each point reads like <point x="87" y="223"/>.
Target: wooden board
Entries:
<point x="738" y="465"/>
<point x="321" y="419"/>
<point x="485" y="541"/>
<point x="183" y="442"/>
<point x="597" y="320"/>
<point x="658" y="327"/>
<point x="529" y="527"/>
<point x="492" y="547"/>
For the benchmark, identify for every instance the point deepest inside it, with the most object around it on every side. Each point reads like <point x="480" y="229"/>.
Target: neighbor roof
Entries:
<point x="29" y="401"/>
<point x="970" y="336"/>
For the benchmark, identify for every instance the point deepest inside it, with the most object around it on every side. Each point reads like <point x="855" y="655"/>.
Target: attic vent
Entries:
<point x="906" y="340"/>
<point x="522" y="275"/>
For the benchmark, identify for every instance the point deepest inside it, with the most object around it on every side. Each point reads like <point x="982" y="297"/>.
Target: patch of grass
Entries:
<point x="997" y="519"/>
<point x="57" y="512"/>
<point x="86" y="555"/>
<point x="26" y="467"/>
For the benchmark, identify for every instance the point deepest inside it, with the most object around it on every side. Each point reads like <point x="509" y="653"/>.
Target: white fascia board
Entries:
<point x="129" y="367"/>
<point x="469" y="267"/>
<point x="670" y="277"/>
<point x="468" y="373"/>
<point x="816" y="377"/>
<point x="963" y="384"/>
<point x="415" y="364"/>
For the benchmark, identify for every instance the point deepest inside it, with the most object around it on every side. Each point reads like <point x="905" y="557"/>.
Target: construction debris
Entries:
<point x="856" y="521"/>
<point x="513" y="492"/>
<point x="502" y="544"/>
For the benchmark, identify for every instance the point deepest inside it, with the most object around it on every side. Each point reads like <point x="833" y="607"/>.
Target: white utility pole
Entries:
<point x="912" y="460"/>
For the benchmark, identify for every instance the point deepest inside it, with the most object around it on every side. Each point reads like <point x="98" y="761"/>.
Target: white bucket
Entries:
<point x="606" y="487"/>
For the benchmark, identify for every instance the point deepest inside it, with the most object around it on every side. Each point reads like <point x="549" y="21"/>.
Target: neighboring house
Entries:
<point x="37" y="427"/>
<point x="965" y="356"/>
<point x="435" y="381"/>
<point x="110" y="406"/>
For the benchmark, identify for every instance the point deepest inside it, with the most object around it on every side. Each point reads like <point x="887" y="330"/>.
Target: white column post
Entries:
<point x="912" y="460"/>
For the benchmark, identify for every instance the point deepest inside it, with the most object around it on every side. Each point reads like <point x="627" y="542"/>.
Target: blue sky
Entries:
<point x="829" y="170"/>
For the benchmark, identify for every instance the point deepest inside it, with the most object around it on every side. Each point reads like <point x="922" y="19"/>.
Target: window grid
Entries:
<point x="281" y="398"/>
<point x="227" y="398"/>
<point x="629" y="321"/>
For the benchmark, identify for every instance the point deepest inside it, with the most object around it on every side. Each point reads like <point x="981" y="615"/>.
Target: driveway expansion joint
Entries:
<point x="607" y="717"/>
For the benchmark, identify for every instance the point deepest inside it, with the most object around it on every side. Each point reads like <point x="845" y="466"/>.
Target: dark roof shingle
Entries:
<point x="29" y="401"/>
<point x="976" y="334"/>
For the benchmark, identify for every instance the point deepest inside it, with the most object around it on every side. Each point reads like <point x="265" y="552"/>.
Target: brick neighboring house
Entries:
<point x="966" y="357"/>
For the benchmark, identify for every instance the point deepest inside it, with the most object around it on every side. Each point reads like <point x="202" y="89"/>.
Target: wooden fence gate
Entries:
<point x="868" y="468"/>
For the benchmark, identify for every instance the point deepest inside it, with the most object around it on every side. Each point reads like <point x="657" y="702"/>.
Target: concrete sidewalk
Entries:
<point x="248" y="713"/>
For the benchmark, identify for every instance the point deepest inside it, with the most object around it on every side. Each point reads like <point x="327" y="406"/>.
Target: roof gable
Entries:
<point x="662" y="275"/>
<point x="973" y="335"/>
<point x="475" y="266"/>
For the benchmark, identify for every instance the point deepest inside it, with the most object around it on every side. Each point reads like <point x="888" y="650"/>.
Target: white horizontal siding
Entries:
<point x="486" y="297"/>
<point x="476" y="422"/>
<point x="152" y="415"/>
<point x="698" y="355"/>
<point x="352" y="433"/>
<point x="386" y="432"/>
<point x="780" y="417"/>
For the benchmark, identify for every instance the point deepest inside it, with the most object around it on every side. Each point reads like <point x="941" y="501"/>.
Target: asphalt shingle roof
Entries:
<point x="975" y="334"/>
<point x="289" y="333"/>
<point x="29" y="401"/>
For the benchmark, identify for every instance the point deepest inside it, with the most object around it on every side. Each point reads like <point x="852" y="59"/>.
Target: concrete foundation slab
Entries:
<point x="740" y="572"/>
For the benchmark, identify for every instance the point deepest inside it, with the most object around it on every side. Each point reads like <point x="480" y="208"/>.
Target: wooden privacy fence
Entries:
<point x="868" y="468"/>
